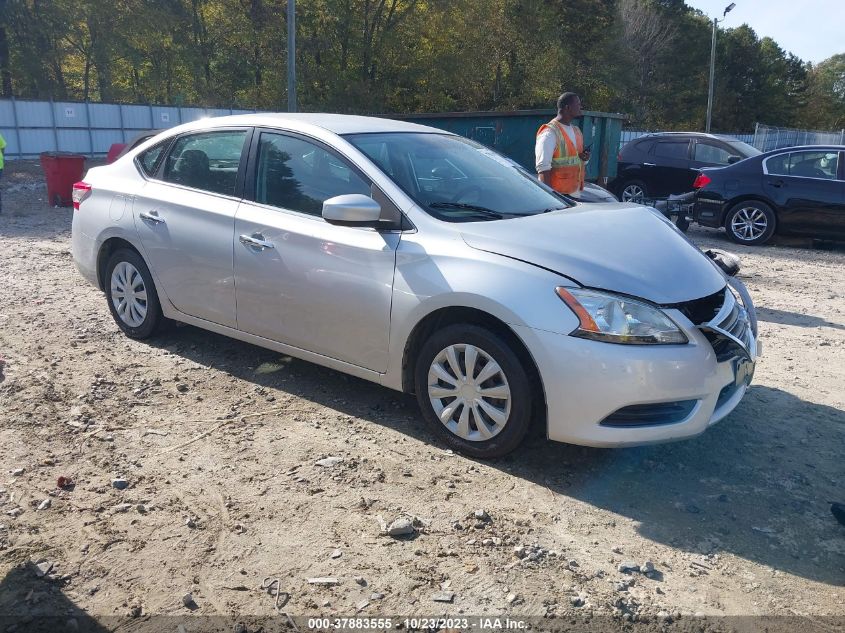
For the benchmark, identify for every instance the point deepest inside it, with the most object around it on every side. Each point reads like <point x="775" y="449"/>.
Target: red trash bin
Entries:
<point x="61" y="170"/>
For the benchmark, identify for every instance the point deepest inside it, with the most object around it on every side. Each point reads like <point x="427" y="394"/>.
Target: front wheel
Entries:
<point x="473" y="391"/>
<point x="633" y="191"/>
<point x="750" y="223"/>
<point x="131" y="294"/>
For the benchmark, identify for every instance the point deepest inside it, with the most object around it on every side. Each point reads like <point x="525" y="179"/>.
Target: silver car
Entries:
<point x="424" y="262"/>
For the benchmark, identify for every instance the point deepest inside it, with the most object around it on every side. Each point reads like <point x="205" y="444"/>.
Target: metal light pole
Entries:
<point x="713" y="65"/>
<point x="292" y="56"/>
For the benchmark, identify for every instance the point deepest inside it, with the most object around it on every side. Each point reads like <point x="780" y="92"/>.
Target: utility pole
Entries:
<point x="713" y="65"/>
<point x="292" y="56"/>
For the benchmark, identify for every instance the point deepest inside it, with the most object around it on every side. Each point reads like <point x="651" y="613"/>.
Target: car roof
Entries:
<point x="336" y="123"/>
<point x="655" y="135"/>
<point x="818" y="148"/>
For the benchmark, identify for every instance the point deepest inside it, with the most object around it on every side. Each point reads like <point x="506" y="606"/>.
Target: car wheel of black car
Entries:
<point x="633" y="191"/>
<point x="473" y="391"/>
<point x="750" y="222"/>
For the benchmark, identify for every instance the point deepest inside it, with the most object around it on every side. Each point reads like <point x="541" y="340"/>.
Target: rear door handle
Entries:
<point x="152" y="216"/>
<point x="649" y="165"/>
<point x="256" y="241"/>
<point x="777" y="183"/>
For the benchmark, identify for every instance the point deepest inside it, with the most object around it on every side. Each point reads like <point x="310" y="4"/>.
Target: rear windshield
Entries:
<point x="456" y="179"/>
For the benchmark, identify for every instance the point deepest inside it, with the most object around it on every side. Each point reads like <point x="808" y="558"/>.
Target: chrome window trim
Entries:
<point x="195" y="190"/>
<point x="768" y="158"/>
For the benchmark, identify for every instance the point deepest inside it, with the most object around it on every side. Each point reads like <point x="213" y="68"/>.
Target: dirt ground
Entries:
<point x="219" y="442"/>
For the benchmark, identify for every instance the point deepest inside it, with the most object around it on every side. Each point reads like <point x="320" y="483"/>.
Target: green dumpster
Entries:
<point x="513" y="134"/>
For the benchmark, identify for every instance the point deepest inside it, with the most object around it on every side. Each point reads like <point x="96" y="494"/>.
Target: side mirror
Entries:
<point x="352" y="209"/>
<point x="734" y="159"/>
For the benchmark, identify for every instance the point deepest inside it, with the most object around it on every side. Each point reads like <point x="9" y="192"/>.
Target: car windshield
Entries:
<point x="456" y="179"/>
<point x="743" y="149"/>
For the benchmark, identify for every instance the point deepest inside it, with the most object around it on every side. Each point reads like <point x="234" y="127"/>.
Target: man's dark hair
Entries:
<point x="565" y="99"/>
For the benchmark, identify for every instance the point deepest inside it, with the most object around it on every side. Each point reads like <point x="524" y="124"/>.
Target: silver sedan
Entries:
<point x="424" y="262"/>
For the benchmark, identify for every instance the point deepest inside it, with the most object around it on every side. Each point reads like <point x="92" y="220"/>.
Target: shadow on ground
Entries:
<point x="756" y="485"/>
<point x="30" y="603"/>
<point x="33" y="604"/>
<point x="785" y="317"/>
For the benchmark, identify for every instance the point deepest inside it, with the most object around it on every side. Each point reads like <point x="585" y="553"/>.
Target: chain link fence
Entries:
<point x="769" y="137"/>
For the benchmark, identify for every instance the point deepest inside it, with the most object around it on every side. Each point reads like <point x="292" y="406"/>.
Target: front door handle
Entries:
<point x="256" y="240"/>
<point x="649" y="165"/>
<point x="152" y="216"/>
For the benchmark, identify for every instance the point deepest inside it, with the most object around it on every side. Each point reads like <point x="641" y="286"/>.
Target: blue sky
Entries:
<point x="811" y="29"/>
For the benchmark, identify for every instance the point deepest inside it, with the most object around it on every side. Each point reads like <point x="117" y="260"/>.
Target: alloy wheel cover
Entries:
<point x="469" y="392"/>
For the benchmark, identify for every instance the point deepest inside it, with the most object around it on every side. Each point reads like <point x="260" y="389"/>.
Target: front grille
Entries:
<point x="653" y="414"/>
<point x="735" y="321"/>
<point x="702" y="310"/>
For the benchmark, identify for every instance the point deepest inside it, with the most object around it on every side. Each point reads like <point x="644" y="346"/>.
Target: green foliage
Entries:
<point x="826" y="95"/>
<point x="647" y="58"/>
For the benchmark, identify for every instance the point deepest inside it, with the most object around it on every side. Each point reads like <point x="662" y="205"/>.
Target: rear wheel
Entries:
<point x="633" y="191"/>
<point x="473" y="391"/>
<point x="131" y="294"/>
<point x="750" y="222"/>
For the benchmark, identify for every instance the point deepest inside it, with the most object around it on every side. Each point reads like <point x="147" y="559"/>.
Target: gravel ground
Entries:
<point x="220" y="443"/>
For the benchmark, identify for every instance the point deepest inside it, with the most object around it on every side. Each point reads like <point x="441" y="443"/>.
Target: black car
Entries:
<point x="658" y="165"/>
<point x="790" y="191"/>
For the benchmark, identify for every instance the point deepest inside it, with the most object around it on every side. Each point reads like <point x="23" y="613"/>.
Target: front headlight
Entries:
<point x="615" y="319"/>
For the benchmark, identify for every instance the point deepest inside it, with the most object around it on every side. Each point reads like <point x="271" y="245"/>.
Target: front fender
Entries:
<point x="449" y="273"/>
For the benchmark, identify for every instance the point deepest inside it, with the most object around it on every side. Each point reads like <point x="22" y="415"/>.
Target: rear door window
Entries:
<point x="678" y="150"/>
<point x="149" y="159"/>
<point x="709" y="153"/>
<point x="645" y="146"/>
<point x="778" y="165"/>
<point x="207" y="161"/>
<point x="814" y="164"/>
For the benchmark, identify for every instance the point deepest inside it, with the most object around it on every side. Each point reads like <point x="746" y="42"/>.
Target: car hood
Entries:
<point x="618" y="247"/>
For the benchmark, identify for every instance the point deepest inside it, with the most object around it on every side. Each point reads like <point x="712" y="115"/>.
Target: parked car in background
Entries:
<point x="593" y="193"/>
<point x="792" y="191"/>
<point x="427" y="263"/>
<point x="658" y="165"/>
<point x="135" y="141"/>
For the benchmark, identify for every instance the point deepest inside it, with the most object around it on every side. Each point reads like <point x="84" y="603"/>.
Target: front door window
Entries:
<point x="298" y="175"/>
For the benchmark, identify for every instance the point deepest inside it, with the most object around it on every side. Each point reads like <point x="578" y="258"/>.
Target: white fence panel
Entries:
<point x="32" y="127"/>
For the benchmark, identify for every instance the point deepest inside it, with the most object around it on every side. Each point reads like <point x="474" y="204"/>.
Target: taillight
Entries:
<point x="81" y="190"/>
<point x="702" y="180"/>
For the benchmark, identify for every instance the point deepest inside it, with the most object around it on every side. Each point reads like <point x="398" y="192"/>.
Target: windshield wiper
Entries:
<point x="550" y="209"/>
<point x="467" y="207"/>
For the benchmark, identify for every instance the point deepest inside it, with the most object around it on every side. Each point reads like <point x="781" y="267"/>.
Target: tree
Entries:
<point x="826" y="95"/>
<point x="648" y="58"/>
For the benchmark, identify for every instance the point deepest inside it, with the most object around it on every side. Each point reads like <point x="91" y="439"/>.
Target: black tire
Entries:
<point x="681" y="222"/>
<point x="153" y="318"/>
<point x="633" y="184"/>
<point x="518" y="420"/>
<point x="752" y="209"/>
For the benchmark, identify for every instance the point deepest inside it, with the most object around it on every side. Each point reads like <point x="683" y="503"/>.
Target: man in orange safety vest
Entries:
<point x="559" y="149"/>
